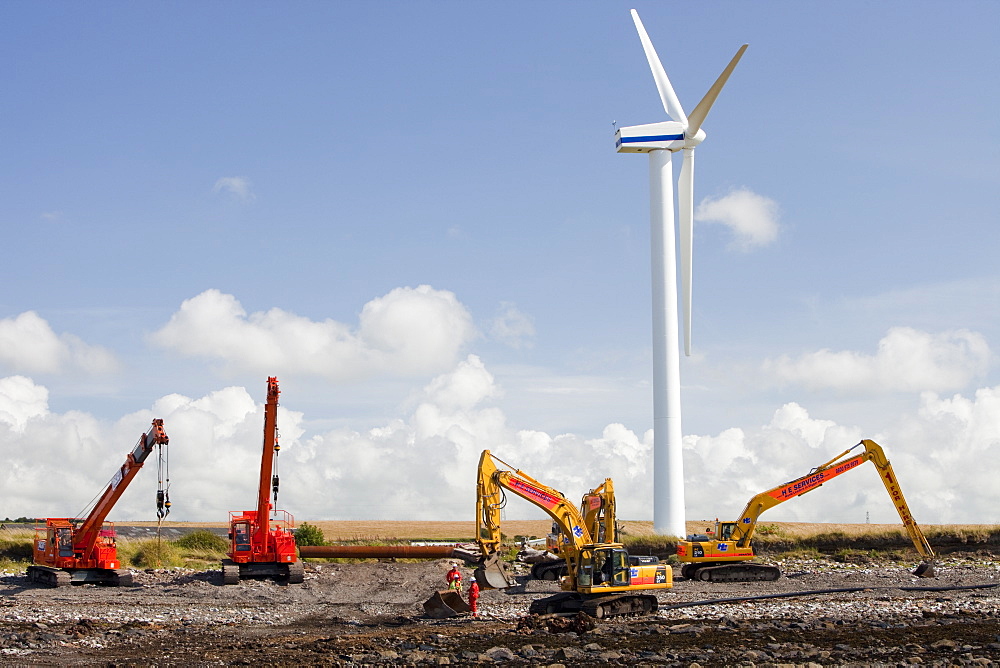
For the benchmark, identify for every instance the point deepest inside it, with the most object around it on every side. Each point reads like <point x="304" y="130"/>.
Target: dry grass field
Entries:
<point x="381" y="530"/>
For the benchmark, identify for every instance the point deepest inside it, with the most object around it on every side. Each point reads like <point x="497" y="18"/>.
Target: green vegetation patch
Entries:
<point x="16" y="550"/>
<point x="203" y="541"/>
<point x="308" y="534"/>
<point x="150" y="553"/>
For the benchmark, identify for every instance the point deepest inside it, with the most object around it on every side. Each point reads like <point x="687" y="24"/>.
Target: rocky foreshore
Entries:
<point x="822" y="613"/>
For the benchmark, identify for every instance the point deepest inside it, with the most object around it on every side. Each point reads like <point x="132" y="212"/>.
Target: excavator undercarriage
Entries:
<point x="599" y="607"/>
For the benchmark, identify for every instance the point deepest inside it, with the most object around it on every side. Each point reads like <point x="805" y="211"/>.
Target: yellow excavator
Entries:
<point x="725" y="557"/>
<point x="598" y="510"/>
<point x="599" y="579"/>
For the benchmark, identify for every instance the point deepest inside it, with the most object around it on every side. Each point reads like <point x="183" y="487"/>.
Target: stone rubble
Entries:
<point x="370" y="613"/>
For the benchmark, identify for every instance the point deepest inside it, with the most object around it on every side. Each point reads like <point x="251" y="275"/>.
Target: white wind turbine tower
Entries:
<point x="661" y="141"/>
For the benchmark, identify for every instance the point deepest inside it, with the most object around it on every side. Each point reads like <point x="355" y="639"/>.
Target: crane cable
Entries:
<point x="163" y="486"/>
<point x="274" y="468"/>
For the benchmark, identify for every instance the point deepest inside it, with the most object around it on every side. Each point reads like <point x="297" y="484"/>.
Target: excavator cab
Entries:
<point x="606" y="567"/>
<point x="724" y="530"/>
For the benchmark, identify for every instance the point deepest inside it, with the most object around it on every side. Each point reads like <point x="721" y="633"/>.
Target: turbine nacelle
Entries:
<point x="667" y="136"/>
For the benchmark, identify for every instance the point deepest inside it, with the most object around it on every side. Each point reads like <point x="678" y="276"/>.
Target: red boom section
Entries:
<point x="88" y="534"/>
<point x="256" y="536"/>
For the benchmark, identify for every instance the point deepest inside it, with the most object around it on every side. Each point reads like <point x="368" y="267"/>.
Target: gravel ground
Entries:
<point x="372" y="613"/>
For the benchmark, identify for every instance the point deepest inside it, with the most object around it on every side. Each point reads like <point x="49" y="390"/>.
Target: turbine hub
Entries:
<point x="691" y="142"/>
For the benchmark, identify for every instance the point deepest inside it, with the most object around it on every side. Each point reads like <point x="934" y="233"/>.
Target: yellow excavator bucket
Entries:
<point x="492" y="574"/>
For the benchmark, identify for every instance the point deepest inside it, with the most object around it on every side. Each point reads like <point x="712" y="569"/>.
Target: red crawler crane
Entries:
<point x="73" y="551"/>
<point x="262" y="541"/>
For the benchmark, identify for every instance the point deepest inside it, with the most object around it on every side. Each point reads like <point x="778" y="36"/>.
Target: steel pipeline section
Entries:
<point x="382" y="552"/>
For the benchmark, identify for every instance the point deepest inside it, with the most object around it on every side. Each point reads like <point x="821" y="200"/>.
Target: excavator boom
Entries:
<point x="490" y="501"/>
<point x="719" y="559"/>
<point x="597" y="507"/>
<point x="600" y="578"/>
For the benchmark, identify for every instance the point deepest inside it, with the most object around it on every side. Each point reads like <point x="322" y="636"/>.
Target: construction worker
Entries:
<point x="454" y="578"/>
<point x="474" y="597"/>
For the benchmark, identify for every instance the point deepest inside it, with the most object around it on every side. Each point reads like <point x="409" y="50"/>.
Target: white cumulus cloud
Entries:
<point x="421" y="464"/>
<point x="21" y="400"/>
<point x="56" y="464"/>
<point x="28" y="345"/>
<point x="408" y="332"/>
<point x="752" y="218"/>
<point x="238" y="187"/>
<point x="941" y="454"/>
<point x="512" y="327"/>
<point x="907" y="360"/>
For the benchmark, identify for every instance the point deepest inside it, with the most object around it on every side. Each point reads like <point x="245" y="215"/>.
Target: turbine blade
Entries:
<point x="685" y="209"/>
<point x="671" y="104"/>
<point x="697" y="116"/>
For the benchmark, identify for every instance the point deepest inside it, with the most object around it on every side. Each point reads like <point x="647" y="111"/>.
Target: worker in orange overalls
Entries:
<point x="474" y="597"/>
<point x="454" y="578"/>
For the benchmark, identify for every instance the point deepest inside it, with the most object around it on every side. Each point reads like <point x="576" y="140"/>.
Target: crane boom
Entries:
<point x="87" y="533"/>
<point x="268" y="481"/>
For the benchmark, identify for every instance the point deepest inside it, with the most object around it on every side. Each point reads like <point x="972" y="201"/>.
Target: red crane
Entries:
<point x="74" y="551"/>
<point x="262" y="541"/>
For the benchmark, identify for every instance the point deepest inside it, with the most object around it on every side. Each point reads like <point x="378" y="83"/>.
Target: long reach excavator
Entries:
<point x="84" y="551"/>
<point x="599" y="579"/>
<point x="726" y="556"/>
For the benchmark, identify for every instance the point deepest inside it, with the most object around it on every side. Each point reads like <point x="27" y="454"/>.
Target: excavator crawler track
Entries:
<point x="296" y="573"/>
<point x="599" y="607"/>
<point x="50" y="577"/>
<point x="121" y="578"/>
<point x="230" y="572"/>
<point x="742" y="572"/>
<point x="549" y="570"/>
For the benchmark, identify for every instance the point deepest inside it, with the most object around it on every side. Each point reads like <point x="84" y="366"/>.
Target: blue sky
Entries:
<point x="413" y="215"/>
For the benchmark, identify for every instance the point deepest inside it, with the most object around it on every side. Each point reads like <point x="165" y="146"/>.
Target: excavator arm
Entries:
<point x="747" y="523"/>
<point x="598" y="509"/>
<point x="733" y="539"/>
<point x="492" y="484"/>
<point x="600" y="579"/>
<point x="874" y="452"/>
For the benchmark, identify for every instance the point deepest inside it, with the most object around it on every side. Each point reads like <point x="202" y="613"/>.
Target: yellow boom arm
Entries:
<point x="598" y="509"/>
<point x="747" y="523"/>
<point x="490" y="501"/>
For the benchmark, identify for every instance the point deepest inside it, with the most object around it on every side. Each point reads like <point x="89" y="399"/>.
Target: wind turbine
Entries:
<point x="661" y="140"/>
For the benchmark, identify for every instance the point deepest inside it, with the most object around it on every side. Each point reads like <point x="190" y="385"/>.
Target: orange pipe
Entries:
<point x="378" y="551"/>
